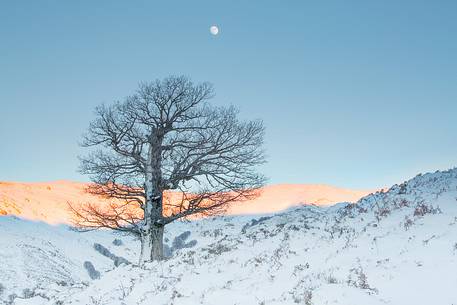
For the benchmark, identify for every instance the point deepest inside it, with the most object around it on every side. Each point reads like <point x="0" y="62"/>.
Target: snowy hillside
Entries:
<point x="396" y="247"/>
<point x="37" y="254"/>
<point x="48" y="201"/>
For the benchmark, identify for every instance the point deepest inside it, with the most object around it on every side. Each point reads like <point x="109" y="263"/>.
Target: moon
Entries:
<point x="214" y="30"/>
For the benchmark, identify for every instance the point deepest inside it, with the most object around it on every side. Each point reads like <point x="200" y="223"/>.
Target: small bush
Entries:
<point x="331" y="279"/>
<point x="423" y="209"/>
<point x="305" y="298"/>
<point x="218" y="249"/>
<point x="402" y="189"/>
<point x="408" y="223"/>
<point x="308" y="297"/>
<point x="11" y="298"/>
<point x="357" y="278"/>
<point x="28" y="293"/>
<point x="382" y="212"/>
<point x="403" y="203"/>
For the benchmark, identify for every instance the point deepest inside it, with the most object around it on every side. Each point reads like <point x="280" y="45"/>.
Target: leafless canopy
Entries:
<point x="167" y="138"/>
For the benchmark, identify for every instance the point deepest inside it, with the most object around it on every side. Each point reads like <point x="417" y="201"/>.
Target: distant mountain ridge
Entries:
<point x="47" y="201"/>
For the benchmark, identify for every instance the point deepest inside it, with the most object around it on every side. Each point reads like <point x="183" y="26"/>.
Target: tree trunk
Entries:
<point x="152" y="229"/>
<point x="152" y="244"/>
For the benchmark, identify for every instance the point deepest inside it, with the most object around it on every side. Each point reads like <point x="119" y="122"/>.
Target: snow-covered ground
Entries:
<point x="398" y="247"/>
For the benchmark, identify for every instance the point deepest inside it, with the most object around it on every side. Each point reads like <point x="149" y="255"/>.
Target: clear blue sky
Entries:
<point x="357" y="94"/>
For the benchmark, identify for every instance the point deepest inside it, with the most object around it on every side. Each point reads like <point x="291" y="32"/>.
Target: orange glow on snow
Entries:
<point x="47" y="201"/>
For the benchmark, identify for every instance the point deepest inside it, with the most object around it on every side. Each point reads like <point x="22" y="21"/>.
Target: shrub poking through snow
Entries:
<point x="27" y="293"/>
<point x="407" y="223"/>
<point x="302" y="293"/>
<point x="218" y="249"/>
<point x="402" y="188"/>
<point x="308" y="297"/>
<point x="382" y="212"/>
<point x="331" y="279"/>
<point x="357" y="278"/>
<point x="11" y="298"/>
<point x="423" y="209"/>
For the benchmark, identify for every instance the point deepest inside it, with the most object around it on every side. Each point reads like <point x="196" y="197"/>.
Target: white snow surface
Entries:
<point x="396" y="247"/>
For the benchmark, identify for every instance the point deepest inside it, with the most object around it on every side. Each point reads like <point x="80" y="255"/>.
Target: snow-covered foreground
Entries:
<point x="397" y="247"/>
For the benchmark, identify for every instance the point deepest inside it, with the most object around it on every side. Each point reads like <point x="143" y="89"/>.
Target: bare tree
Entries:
<point x="166" y="138"/>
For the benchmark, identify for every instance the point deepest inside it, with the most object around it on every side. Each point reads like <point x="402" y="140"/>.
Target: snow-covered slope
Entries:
<point x="36" y="254"/>
<point x="48" y="201"/>
<point x="396" y="247"/>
